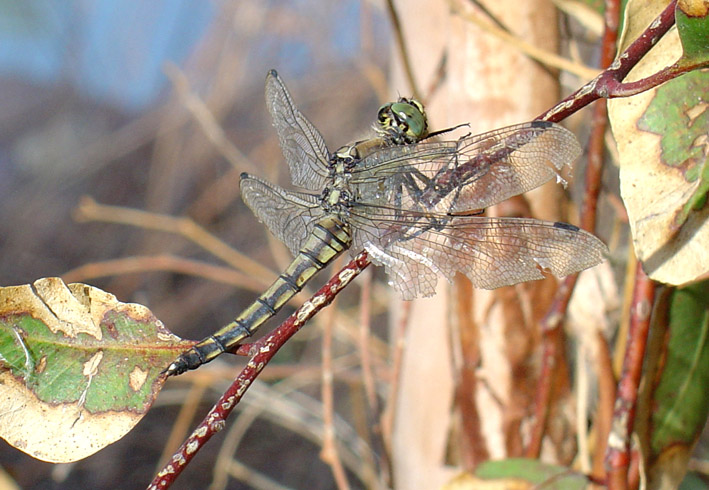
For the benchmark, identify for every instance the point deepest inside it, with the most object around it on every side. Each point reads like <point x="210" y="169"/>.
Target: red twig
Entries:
<point x="550" y="333"/>
<point x="609" y="83"/>
<point x="594" y="170"/>
<point x="618" y="451"/>
<point x="472" y="440"/>
<point x="262" y="351"/>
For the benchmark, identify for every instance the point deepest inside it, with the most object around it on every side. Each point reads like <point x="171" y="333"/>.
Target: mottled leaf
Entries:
<point x="679" y="116"/>
<point x="663" y="143"/>
<point x="78" y="368"/>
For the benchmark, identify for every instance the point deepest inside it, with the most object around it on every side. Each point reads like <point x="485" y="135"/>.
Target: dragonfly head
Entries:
<point x="403" y="121"/>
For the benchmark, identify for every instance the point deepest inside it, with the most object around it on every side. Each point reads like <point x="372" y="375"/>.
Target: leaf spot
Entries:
<point x="91" y="366"/>
<point x="136" y="379"/>
<point x="41" y="365"/>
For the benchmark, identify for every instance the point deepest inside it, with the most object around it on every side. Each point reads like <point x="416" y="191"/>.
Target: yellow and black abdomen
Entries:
<point x="329" y="238"/>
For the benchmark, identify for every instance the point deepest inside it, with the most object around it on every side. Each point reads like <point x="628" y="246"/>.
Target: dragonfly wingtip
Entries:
<point x="542" y="124"/>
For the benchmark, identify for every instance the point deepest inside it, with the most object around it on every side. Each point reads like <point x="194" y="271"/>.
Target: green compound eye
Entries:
<point x="384" y="114"/>
<point x="411" y="112"/>
<point x="405" y="119"/>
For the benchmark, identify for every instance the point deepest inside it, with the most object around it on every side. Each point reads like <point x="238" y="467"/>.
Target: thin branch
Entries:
<point x="262" y="352"/>
<point x="608" y="83"/>
<point x="90" y="210"/>
<point x="329" y="453"/>
<point x="592" y="185"/>
<point x="251" y="477"/>
<point x="365" y="334"/>
<point x="206" y="120"/>
<point x="403" y="50"/>
<point x="399" y="338"/>
<point x="618" y="451"/>
<point x="472" y="439"/>
<point x="604" y="413"/>
<point x="166" y="263"/>
<point x="373" y="407"/>
<point x="550" y="341"/>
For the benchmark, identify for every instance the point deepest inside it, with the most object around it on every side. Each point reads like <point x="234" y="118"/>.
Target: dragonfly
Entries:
<point x="413" y="203"/>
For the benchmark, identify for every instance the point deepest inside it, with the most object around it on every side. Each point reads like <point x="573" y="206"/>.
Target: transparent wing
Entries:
<point x="469" y="174"/>
<point x="492" y="252"/>
<point x="302" y="145"/>
<point x="289" y="216"/>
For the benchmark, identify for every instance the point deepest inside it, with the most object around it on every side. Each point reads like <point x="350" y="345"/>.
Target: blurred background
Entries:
<point x="124" y="127"/>
<point x="159" y="106"/>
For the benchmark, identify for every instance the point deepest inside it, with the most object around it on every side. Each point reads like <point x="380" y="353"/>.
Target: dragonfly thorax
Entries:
<point x="344" y="156"/>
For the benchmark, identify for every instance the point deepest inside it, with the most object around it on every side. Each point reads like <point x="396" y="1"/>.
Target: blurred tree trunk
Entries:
<point x="471" y="358"/>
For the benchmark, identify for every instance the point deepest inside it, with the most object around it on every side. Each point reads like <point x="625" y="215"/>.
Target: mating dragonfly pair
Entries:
<point x="412" y="203"/>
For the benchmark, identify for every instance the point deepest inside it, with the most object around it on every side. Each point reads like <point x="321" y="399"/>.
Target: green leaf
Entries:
<point x="682" y="397"/>
<point x="692" y="482"/>
<point x="533" y="471"/>
<point x="674" y="402"/>
<point x="78" y="368"/>
<point x="692" y="18"/>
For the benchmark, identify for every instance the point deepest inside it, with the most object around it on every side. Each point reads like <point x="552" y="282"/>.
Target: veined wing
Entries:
<point x="289" y="216"/>
<point x="492" y="252"/>
<point x="465" y="175"/>
<point x="302" y="144"/>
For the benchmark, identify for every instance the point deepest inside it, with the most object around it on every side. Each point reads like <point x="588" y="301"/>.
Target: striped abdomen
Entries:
<point x="330" y="237"/>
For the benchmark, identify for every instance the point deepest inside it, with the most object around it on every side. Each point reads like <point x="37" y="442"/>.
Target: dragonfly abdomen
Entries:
<point x="328" y="239"/>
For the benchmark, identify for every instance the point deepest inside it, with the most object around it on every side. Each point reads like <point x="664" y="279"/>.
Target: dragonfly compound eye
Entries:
<point x="384" y="114"/>
<point x="411" y="119"/>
